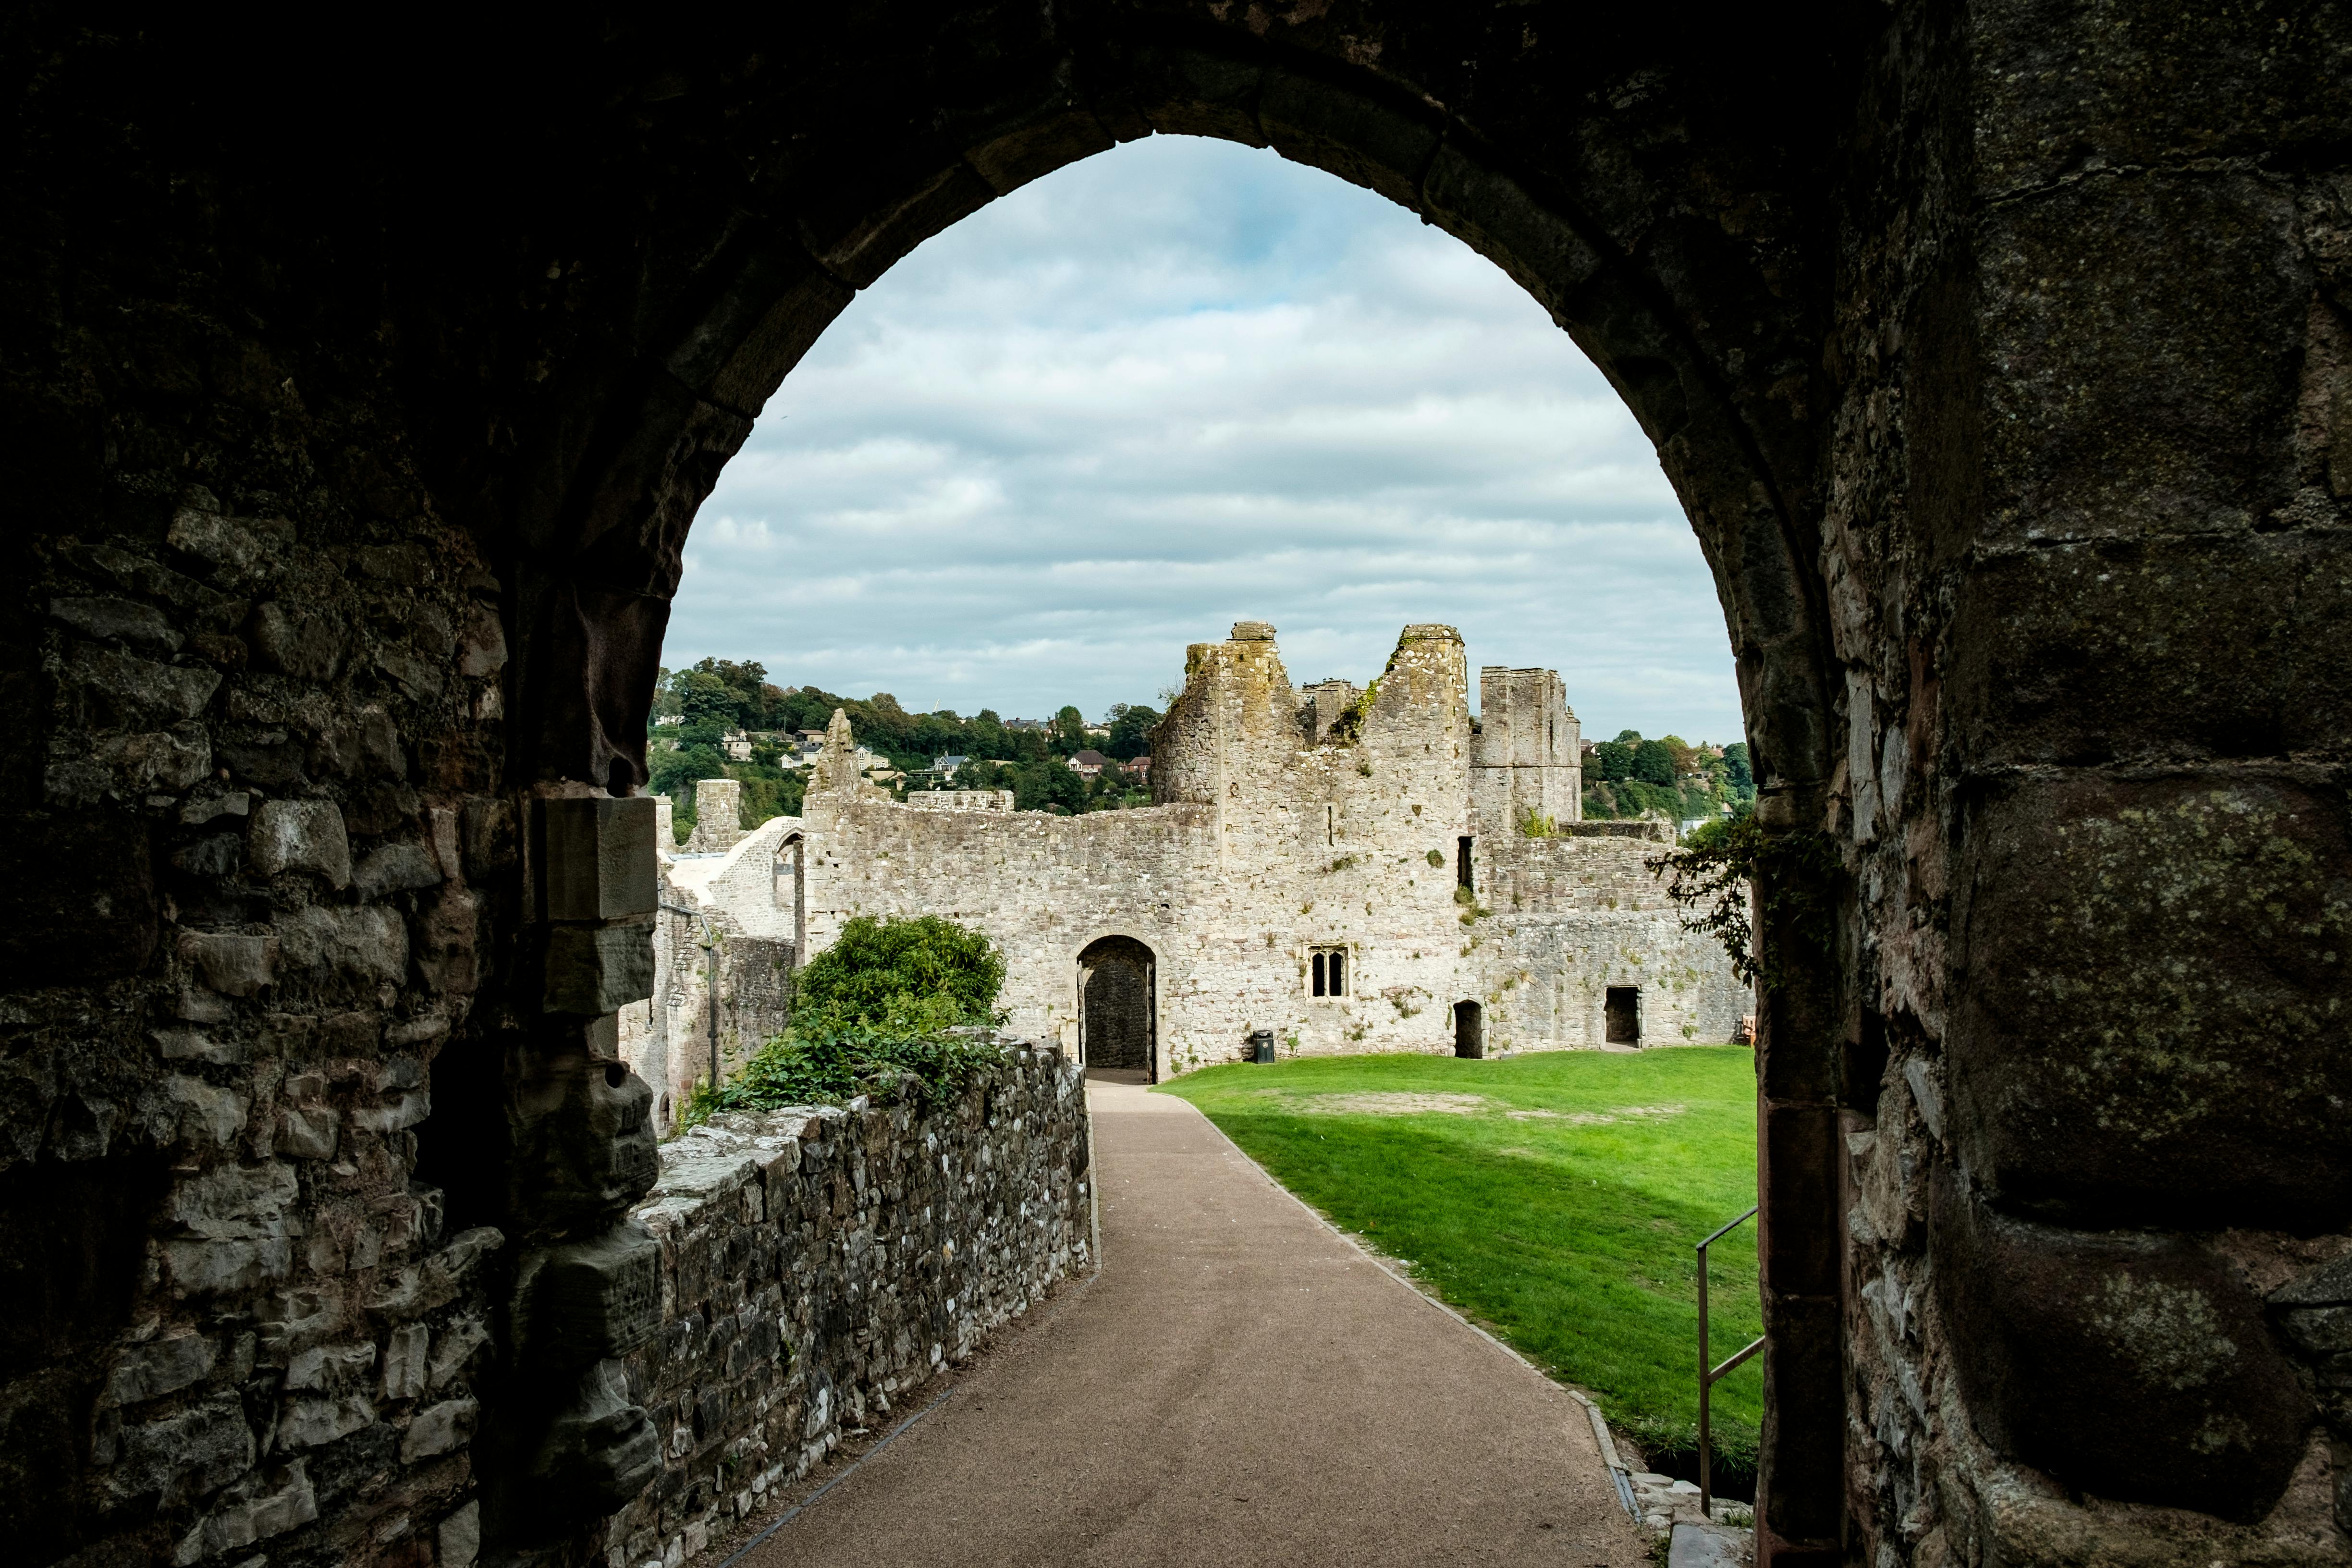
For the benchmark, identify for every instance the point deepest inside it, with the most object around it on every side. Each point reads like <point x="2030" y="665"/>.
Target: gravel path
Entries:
<point x="1239" y="1385"/>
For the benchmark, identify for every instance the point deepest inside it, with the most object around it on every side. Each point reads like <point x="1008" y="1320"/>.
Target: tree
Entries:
<point x="1653" y="764"/>
<point x="1739" y="770"/>
<point x="1612" y="761"/>
<point x="1132" y="724"/>
<point x="1047" y="783"/>
<point x="1069" y="730"/>
<point x="676" y="772"/>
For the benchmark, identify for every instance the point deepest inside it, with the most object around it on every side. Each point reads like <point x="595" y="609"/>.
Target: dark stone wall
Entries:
<point x="357" y="404"/>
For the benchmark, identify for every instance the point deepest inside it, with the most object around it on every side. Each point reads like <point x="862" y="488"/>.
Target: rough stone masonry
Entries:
<point x="359" y="385"/>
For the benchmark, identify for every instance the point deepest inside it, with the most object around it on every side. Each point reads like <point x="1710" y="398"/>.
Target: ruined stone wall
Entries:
<point x="818" y="1267"/>
<point x="1269" y="843"/>
<point x="287" y="713"/>
<point x="742" y="900"/>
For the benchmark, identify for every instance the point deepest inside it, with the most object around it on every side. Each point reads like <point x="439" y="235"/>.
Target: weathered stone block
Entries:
<point x="300" y="836"/>
<point x="308" y="1423"/>
<point x="140" y="687"/>
<point x="459" y="1537"/>
<point x="396" y="868"/>
<point x="272" y="1509"/>
<point x="2156" y="650"/>
<point x="590" y="1300"/>
<point x="308" y="647"/>
<point x="601" y="1450"/>
<point x="2129" y="1364"/>
<point x="2142" y="338"/>
<point x="1503" y="221"/>
<point x="346" y="952"/>
<point x="125" y="620"/>
<point x="231" y="963"/>
<point x="1060" y="136"/>
<point x="598" y="858"/>
<point x="240" y="551"/>
<point x="858" y="241"/>
<point x="330" y="1368"/>
<point x="1364" y="143"/>
<point x="405" y="1361"/>
<point x="595" y="970"/>
<point x="189" y="1454"/>
<point x="2158" y="960"/>
<point x="438" y="1430"/>
<point x="160" y="1367"/>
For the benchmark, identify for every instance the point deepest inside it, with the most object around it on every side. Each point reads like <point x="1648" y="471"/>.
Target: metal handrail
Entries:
<point x="1709" y="1374"/>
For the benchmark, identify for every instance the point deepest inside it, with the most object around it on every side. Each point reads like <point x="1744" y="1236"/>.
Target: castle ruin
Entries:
<point x="1336" y="869"/>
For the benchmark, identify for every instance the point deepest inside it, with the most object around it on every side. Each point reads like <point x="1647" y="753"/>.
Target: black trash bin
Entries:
<point x="1262" y="1047"/>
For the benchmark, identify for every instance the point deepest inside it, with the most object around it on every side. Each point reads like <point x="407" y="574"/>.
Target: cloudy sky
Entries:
<point x="1175" y="386"/>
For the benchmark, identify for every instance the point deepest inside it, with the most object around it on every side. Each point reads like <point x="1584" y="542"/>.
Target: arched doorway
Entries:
<point x="1469" y="1030"/>
<point x="1119" y="1012"/>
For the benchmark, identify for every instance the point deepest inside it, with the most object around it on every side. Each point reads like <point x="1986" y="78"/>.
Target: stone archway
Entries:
<point x="1119" y="1008"/>
<point x="1999" y="358"/>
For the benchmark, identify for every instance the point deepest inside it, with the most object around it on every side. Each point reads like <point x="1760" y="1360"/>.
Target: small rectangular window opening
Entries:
<point x="1331" y="825"/>
<point x="1330" y="971"/>
<point x="1462" y="872"/>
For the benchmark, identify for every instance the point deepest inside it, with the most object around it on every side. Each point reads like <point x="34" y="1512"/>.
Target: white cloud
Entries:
<point x="1175" y="386"/>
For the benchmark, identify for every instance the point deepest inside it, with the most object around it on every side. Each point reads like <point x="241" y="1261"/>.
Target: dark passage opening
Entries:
<point x="1116" y="1015"/>
<point x="1461" y="873"/>
<point x="1469" y="1027"/>
<point x="1622" y="1016"/>
<point x="1319" y="974"/>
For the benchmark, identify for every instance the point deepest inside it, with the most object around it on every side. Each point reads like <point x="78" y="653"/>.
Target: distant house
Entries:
<point x="810" y="741"/>
<point x="1088" y="762"/>
<point x="945" y="766"/>
<point x="1025" y="724"/>
<point x="738" y="744"/>
<point x="1102" y="729"/>
<point x="1137" y="768"/>
<point x="671" y="719"/>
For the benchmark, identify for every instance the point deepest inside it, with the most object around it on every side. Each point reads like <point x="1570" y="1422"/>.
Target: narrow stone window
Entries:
<point x="1462" y="872"/>
<point x="1330" y="971"/>
<point x="1331" y="825"/>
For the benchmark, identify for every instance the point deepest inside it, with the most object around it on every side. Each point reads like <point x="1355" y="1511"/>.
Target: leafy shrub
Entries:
<point x="872" y="1014"/>
<point x="901" y="976"/>
<point x="835" y="1064"/>
<point x="1792" y="874"/>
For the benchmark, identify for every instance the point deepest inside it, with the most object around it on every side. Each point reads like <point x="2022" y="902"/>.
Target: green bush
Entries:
<point x="835" y="1064"/>
<point x="870" y="1016"/>
<point x="903" y="977"/>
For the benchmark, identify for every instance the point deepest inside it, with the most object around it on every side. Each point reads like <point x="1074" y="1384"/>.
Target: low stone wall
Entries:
<point x="818" y="1266"/>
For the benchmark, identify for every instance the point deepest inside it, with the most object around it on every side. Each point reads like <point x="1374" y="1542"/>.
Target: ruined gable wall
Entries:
<point x="1527" y="757"/>
<point x="1271" y="845"/>
<point x="1579" y="911"/>
<point x="1040" y="886"/>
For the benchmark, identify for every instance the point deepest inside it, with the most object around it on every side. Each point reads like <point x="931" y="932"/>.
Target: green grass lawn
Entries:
<point x="1558" y="1205"/>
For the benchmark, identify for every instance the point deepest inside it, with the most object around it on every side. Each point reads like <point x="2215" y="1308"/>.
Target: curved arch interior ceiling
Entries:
<point x="1179" y="384"/>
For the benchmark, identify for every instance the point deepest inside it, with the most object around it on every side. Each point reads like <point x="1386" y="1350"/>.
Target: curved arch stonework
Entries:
<point x="359" y="404"/>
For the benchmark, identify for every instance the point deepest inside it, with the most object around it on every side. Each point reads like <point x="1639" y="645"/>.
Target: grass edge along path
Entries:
<point x="1553" y="1198"/>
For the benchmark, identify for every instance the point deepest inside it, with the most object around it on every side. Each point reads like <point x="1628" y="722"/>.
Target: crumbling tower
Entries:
<point x="1528" y="758"/>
